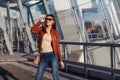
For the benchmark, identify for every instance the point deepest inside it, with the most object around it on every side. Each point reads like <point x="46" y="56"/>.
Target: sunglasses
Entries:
<point x="48" y="19"/>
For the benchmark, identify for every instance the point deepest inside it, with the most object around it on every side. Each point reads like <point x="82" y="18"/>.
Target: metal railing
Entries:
<point x="87" y="68"/>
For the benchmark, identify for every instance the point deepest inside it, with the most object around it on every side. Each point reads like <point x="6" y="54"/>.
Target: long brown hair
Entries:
<point x="53" y="25"/>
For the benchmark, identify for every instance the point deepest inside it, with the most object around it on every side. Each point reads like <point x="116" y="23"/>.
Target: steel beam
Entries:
<point x="24" y="19"/>
<point x="6" y="37"/>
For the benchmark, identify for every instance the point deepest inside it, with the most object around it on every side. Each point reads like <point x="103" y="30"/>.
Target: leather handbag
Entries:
<point x="36" y="59"/>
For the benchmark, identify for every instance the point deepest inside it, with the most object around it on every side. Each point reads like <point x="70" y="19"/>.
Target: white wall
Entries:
<point x="84" y="3"/>
<point x="61" y="4"/>
<point x="64" y="4"/>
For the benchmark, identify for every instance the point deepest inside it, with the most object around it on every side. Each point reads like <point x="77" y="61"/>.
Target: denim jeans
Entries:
<point x="48" y="59"/>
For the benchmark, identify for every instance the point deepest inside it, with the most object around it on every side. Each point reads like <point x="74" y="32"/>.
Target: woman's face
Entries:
<point x="49" y="21"/>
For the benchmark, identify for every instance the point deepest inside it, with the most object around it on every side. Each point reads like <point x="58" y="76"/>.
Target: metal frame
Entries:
<point x="89" y="69"/>
<point x="23" y="17"/>
<point x="3" y="27"/>
<point x="108" y="26"/>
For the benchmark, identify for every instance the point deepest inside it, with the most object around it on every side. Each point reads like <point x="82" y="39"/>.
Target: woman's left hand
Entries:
<point x="62" y="66"/>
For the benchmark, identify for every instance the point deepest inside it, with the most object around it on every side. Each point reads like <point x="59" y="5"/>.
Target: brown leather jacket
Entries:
<point x="55" y="38"/>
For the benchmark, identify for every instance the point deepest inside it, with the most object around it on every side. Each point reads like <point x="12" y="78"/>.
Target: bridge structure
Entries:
<point x="89" y="32"/>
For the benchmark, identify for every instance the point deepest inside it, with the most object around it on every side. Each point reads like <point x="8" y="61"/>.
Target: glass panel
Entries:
<point x="38" y="7"/>
<point x="96" y="30"/>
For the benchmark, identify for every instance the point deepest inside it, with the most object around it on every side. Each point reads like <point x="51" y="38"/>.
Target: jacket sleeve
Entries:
<point x="58" y="48"/>
<point x="36" y="29"/>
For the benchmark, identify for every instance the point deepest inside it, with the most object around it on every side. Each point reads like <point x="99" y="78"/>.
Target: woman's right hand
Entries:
<point x="42" y="19"/>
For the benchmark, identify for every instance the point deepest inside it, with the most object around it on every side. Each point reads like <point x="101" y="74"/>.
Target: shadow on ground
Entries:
<point x="12" y="72"/>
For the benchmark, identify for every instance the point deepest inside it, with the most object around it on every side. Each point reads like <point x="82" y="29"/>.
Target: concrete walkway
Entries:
<point x="9" y="58"/>
<point x="22" y="62"/>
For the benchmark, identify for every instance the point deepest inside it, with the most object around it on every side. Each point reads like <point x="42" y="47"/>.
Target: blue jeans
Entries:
<point x="48" y="59"/>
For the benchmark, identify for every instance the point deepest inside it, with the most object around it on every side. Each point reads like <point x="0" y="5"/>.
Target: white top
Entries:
<point x="46" y="43"/>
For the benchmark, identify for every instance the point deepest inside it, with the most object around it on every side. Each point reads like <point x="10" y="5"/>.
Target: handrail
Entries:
<point x="91" y="44"/>
<point x="86" y="65"/>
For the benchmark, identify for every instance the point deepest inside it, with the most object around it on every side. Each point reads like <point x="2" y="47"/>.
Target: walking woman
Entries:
<point x="49" y="47"/>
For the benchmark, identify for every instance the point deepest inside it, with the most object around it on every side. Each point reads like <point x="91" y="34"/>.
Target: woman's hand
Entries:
<point x="42" y="19"/>
<point x="62" y="66"/>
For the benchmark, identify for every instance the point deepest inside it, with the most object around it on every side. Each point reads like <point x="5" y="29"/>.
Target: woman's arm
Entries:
<point x="59" y="52"/>
<point x="36" y="28"/>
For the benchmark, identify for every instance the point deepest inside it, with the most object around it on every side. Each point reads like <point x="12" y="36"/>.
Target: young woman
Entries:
<point x="49" y="47"/>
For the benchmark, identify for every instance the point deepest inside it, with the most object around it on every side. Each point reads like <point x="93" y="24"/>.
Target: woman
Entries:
<point x="49" y="46"/>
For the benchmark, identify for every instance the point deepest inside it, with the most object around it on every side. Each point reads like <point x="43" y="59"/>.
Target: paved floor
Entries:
<point x="19" y="66"/>
<point x="12" y="72"/>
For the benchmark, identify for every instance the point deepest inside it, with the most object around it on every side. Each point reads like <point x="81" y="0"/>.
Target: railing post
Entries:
<point x="113" y="61"/>
<point x="85" y="60"/>
<point x="65" y="51"/>
<point x="65" y="56"/>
